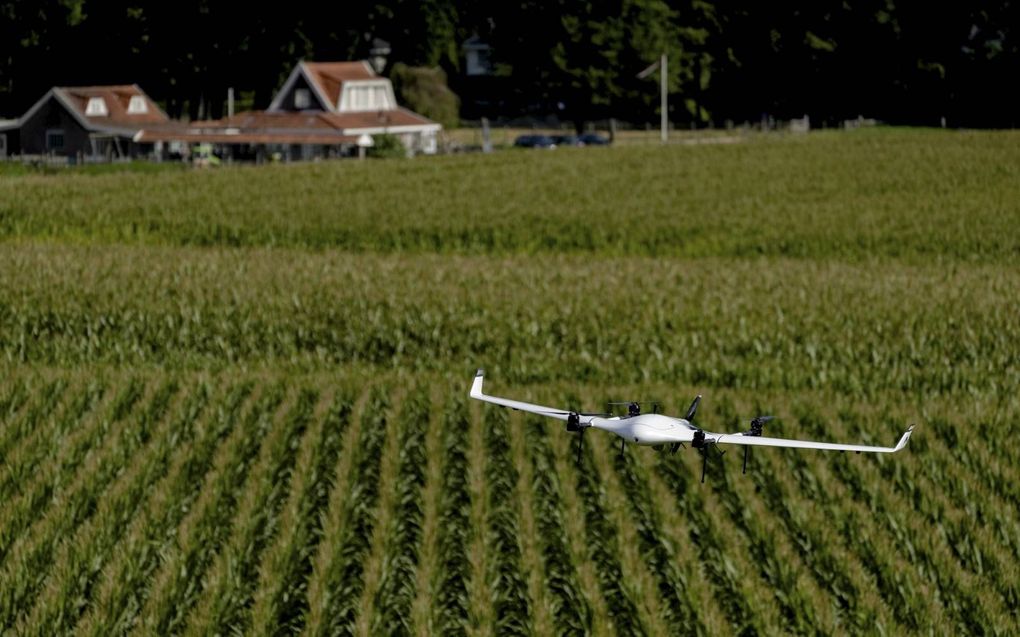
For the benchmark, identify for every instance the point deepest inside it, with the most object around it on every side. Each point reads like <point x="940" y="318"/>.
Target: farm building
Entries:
<point x="321" y="111"/>
<point x="94" y="122"/>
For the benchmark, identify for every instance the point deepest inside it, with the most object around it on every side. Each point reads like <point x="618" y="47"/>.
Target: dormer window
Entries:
<point x="137" y="105"/>
<point x="368" y="96"/>
<point x="302" y="98"/>
<point x="96" y="107"/>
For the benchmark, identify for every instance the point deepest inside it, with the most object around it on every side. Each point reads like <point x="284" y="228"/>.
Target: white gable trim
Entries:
<point x="64" y="101"/>
<point x="69" y="105"/>
<point x="301" y="71"/>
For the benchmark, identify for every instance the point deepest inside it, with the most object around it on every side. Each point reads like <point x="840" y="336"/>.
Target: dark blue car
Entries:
<point x="534" y="141"/>
<point x="591" y="139"/>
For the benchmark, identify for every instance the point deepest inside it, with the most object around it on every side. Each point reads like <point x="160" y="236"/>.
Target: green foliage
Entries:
<point x="734" y="60"/>
<point x="387" y="146"/>
<point x="424" y="90"/>
<point x="227" y="422"/>
<point x="454" y="569"/>
<point x="855" y="197"/>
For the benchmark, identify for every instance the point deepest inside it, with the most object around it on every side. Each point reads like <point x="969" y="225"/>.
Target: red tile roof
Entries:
<point x="341" y="122"/>
<point x="378" y="119"/>
<point x="117" y="99"/>
<point x="242" y="137"/>
<point x="281" y="127"/>
<point x="330" y="76"/>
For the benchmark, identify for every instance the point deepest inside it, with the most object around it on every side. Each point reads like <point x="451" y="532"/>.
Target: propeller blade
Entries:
<point x="692" y="409"/>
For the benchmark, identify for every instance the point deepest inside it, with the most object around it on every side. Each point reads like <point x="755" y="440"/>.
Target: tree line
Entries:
<point x="900" y="61"/>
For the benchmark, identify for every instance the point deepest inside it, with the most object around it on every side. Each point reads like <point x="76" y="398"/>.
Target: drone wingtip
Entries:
<point x="903" y="439"/>
<point x="476" y="386"/>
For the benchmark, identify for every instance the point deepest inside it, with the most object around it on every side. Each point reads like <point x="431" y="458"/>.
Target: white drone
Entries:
<point x="657" y="429"/>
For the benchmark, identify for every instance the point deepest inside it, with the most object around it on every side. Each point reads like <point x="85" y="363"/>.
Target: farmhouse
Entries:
<point x="322" y="110"/>
<point x="85" y="121"/>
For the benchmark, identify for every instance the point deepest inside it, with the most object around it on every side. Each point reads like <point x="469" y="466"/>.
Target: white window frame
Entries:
<point x="137" y="105"/>
<point x="377" y="90"/>
<point x="302" y="98"/>
<point x="96" y="107"/>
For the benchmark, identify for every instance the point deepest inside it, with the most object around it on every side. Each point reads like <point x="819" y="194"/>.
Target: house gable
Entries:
<point x="51" y="120"/>
<point x="287" y="98"/>
<point x="335" y="87"/>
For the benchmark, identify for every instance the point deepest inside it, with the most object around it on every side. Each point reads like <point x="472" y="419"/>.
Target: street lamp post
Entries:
<point x="378" y="54"/>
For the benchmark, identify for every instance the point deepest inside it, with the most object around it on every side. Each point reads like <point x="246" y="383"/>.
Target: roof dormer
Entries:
<point x="367" y="95"/>
<point x="96" y="107"/>
<point x="137" y="105"/>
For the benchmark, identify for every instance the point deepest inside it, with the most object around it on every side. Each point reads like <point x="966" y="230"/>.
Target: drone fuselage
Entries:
<point x="647" y="429"/>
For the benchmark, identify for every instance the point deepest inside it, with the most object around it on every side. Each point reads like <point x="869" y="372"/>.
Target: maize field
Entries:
<point x="235" y="402"/>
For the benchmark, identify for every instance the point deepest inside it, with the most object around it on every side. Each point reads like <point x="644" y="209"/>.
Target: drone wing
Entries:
<point x="761" y="441"/>
<point x="551" y="412"/>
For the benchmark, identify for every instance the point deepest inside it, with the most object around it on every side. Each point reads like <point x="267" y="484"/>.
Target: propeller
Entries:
<point x="692" y="409"/>
<point x="757" y="426"/>
<point x="699" y="441"/>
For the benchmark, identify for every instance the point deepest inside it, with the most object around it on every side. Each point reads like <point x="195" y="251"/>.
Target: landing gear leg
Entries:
<point x="621" y="445"/>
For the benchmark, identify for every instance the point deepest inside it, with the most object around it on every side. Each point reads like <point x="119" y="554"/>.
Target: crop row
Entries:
<point x="603" y="547"/>
<point x="31" y="553"/>
<point x="396" y="590"/>
<point x="572" y="612"/>
<point x="201" y="532"/>
<point x="281" y="593"/>
<point x="25" y="488"/>
<point x="453" y="571"/>
<point x="334" y="599"/>
<point x="23" y="412"/>
<point x="228" y="589"/>
<point x="511" y="605"/>
<point x="182" y="503"/>
<point x="79" y="558"/>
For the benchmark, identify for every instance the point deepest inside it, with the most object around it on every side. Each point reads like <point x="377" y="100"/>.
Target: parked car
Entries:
<point x="534" y="141"/>
<point x="593" y="139"/>
<point x="567" y="140"/>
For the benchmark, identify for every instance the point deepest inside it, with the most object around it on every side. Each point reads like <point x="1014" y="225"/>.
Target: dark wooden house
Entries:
<point x="85" y="122"/>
